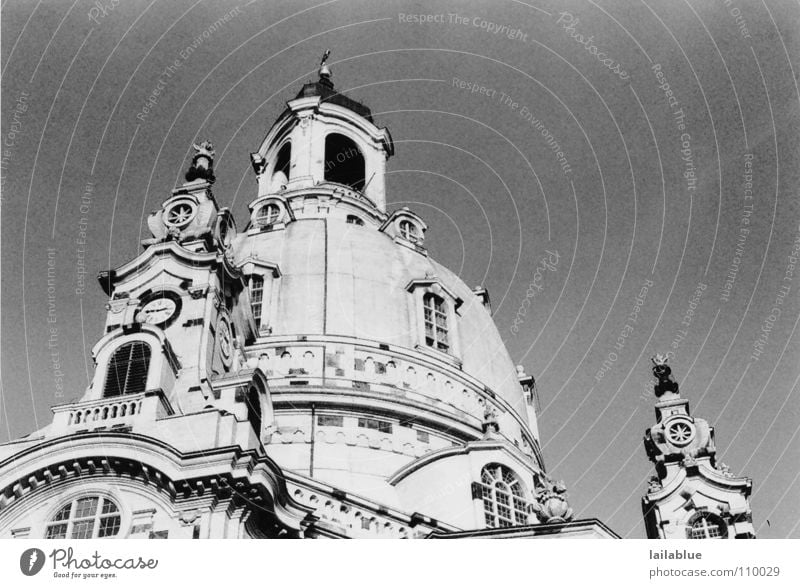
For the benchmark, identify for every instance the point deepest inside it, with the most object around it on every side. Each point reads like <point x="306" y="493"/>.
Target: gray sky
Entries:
<point x="634" y="200"/>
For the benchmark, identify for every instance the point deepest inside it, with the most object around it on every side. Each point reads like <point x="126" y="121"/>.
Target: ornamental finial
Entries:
<point x="324" y="71"/>
<point x="666" y="383"/>
<point x="659" y="359"/>
<point x="325" y="57"/>
<point x="202" y="162"/>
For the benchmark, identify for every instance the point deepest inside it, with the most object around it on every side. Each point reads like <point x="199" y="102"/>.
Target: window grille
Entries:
<point x="436" y="329"/>
<point x="256" y="297"/>
<point x="268" y="215"/>
<point x="409" y="231"/>
<point x="707" y="526"/>
<point x="88" y="517"/>
<point x="504" y="497"/>
<point x="127" y="370"/>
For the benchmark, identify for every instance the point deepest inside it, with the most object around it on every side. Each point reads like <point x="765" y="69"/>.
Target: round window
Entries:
<point x="680" y="432"/>
<point x="180" y="213"/>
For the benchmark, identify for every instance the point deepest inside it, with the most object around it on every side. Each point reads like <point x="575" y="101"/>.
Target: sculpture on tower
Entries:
<point x="324" y="70"/>
<point x="191" y="212"/>
<point x="202" y="167"/>
<point x="691" y="496"/>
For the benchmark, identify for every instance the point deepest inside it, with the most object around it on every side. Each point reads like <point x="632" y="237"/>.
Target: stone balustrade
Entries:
<point x="117" y="411"/>
<point x="356" y="522"/>
<point x="287" y="364"/>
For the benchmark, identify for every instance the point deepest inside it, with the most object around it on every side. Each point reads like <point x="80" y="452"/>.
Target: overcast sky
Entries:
<point x="649" y="148"/>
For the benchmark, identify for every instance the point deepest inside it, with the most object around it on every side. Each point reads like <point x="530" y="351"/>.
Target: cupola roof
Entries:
<point x="323" y="88"/>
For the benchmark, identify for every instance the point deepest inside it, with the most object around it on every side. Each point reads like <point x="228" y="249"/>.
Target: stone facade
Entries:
<point x="314" y="374"/>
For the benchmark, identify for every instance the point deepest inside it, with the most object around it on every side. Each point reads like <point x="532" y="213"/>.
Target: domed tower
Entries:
<point x="387" y="374"/>
<point x="315" y="374"/>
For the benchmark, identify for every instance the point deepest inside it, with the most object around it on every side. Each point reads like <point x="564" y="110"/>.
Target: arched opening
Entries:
<point x="280" y="173"/>
<point x="127" y="370"/>
<point x="410" y="231"/>
<point x="706" y="525"/>
<point x="254" y="410"/>
<point x="344" y="163"/>
<point x="268" y="215"/>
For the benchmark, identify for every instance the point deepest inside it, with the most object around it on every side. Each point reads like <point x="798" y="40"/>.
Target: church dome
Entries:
<point x="367" y="343"/>
<point x="342" y="279"/>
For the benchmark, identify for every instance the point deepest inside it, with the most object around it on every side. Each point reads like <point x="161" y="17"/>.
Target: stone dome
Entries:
<point x="353" y="281"/>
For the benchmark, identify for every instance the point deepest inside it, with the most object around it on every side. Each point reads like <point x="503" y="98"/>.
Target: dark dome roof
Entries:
<point x="324" y="89"/>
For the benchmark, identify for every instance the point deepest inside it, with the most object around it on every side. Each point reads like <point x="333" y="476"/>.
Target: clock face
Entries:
<point x="160" y="309"/>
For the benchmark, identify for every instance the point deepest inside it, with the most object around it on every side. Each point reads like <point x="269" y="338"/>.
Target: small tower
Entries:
<point x="692" y="496"/>
<point x="324" y="138"/>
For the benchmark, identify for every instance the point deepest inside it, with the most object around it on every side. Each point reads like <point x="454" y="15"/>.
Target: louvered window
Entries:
<point x="127" y="370"/>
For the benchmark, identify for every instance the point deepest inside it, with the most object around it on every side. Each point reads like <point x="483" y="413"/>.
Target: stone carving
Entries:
<point x="200" y="227"/>
<point x="188" y="517"/>
<point x="259" y="163"/>
<point x="666" y="382"/>
<point x="202" y="163"/>
<point x="490" y="425"/>
<point x="725" y="470"/>
<point x="663" y="439"/>
<point x="305" y="120"/>
<point x="238" y="360"/>
<point x="551" y="504"/>
<point x="324" y="70"/>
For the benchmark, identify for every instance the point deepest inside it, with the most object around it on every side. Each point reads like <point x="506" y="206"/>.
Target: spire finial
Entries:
<point x="666" y="383"/>
<point x="324" y="71"/>
<point x="202" y="162"/>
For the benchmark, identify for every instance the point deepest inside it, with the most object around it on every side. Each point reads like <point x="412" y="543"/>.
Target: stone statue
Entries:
<point x="490" y="425"/>
<point x="202" y="163"/>
<point x="666" y="382"/>
<point x="551" y="504"/>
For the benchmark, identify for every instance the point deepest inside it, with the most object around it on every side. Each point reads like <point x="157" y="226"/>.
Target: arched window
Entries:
<point x="354" y="220"/>
<point x="254" y="409"/>
<point x="410" y="231"/>
<point x="435" y="322"/>
<point x="280" y="175"/>
<point x="268" y="215"/>
<point x="88" y="517"/>
<point x="707" y="526"/>
<point x="256" y="296"/>
<point x="504" y="497"/>
<point x="127" y="369"/>
<point x="344" y="163"/>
